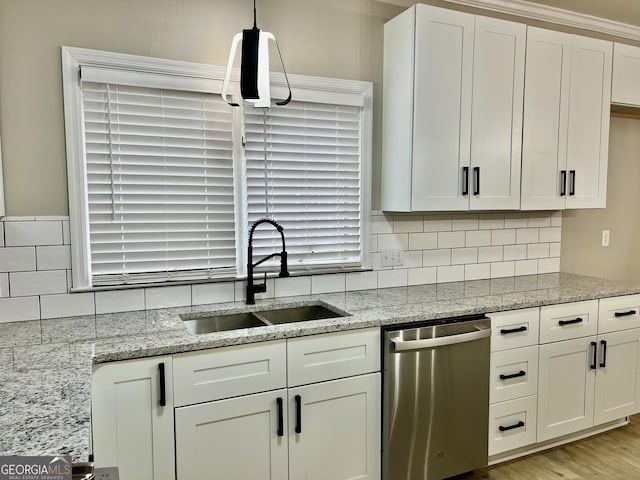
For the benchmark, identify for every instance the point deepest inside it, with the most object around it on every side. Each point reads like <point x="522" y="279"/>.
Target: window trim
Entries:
<point x="74" y="58"/>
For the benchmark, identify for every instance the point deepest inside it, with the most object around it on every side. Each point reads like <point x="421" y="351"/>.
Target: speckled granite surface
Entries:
<point x="46" y="364"/>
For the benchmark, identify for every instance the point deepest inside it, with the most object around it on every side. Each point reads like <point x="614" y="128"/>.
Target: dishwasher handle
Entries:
<point x="407" y="345"/>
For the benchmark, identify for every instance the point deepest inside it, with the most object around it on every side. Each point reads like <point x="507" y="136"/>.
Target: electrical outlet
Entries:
<point x="605" y="238"/>
<point x="391" y="257"/>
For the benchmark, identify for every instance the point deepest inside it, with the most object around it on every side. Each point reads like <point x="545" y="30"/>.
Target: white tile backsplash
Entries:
<point x="35" y="264"/>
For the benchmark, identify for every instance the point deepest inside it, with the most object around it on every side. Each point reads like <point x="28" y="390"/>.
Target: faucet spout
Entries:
<point x="252" y="288"/>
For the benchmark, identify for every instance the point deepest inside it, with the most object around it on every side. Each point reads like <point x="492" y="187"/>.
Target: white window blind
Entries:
<point x="310" y="182"/>
<point x="160" y="185"/>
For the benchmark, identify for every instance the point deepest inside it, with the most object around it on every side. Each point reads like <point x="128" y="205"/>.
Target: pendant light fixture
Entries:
<point x="254" y="67"/>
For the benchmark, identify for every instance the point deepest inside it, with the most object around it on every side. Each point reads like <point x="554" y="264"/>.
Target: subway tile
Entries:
<point x="551" y="234"/>
<point x="538" y="250"/>
<point x="548" y="265"/>
<point x="114" y="301"/>
<point x="515" y="252"/>
<point x="4" y="285"/>
<point x="502" y="269"/>
<point x="292" y="286"/>
<point x="17" y="259"/>
<point x="374" y="261"/>
<point x="516" y="220"/>
<point x="422" y="276"/>
<point x="204" y="293"/>
<point x="329" y="283"/>
<point x="423" y="241"/>
<point x="490" y="254"/>
<point x="527" y="235"/>
<point x="398" y="241"/>
<point x="17" y="218"/>
<point x="451" y="239"/>
<point x="434" y="258"/>
<point x="554" y="249"/>
<point x="491" y="221"/>
<point x="503" y="237"/>
<point x="166" y="297"/>
<point x="437" y="223"/>
<point x="526" y="267"/>
<point x="67" y="305"/>
<point x="46" y="282"/>
<point x="477" y="271"/>
<point x="380" y="224"/>
<point x="412" y="259"/>
<point x="465" y="222"/>
<point x="461" y="256"/>
<point x="53" y="258"/>
<point x="408" y="224"/>
<point x="66" y="233"/>
<point x="19" y="309"/>
<point x="453" y="273"/>
<point x="478" y="238"/>
<point x="539" y="219"/>
<point x="22" y="234"/>
<point x="392" y="278"/>
<point x="373" y="243"/>
<point x="46" y="218"/>
<point x="241" y="289"/>
<point x="362" y="281"/>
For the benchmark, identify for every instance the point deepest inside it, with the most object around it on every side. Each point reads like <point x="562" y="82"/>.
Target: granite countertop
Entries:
<point x="46" y="364"/>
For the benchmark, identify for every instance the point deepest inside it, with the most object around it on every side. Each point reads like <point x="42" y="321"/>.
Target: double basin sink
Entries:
<point x="197" y="323"/>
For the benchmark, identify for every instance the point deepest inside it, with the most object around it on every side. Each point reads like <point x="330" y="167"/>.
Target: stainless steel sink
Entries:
<point x="221" y="323"/>
<point x="299" y="314"/>
<point x="233" y="321"/>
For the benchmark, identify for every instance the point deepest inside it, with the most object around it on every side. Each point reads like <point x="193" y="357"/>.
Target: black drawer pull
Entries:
<point x="570" y="322"/>
<point x="280" y="417"/>
<point x="521" y="373"/>
<point x="520" y="424"/>
<point x="625" y="314"/>
<point x="572" y="182"/>
<point x="563" y="183"/>
<point x="593" y="366"/>
<point x="603" y="344"/>
<point x="163" y="390"/>
<point x="506" y="331"/>
<point x="298" y="400"/>
<point x="476" y="180"/>
<point x="465" y="180"/>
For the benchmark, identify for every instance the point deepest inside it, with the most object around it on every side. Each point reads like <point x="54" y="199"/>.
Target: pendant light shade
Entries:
<point x="254" y="66"/>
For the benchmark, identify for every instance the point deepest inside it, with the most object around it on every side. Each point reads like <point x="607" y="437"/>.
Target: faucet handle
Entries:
<point x="263" y="286"/>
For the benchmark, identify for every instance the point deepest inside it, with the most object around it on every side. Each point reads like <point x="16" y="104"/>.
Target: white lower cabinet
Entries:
<point x="132" y="418"/>
<point x="512" y="424"/>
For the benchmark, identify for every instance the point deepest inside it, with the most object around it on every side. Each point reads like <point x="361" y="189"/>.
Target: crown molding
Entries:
<point x="544" y="13"/>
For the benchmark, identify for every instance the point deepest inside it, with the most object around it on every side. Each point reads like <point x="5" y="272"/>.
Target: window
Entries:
<point x="165" y="178"/>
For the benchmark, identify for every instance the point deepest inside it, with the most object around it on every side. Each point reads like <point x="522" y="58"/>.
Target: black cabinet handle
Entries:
<point x="465" y="180"/>
<point x="163" y="391"/>
<point x="520" y="424"/>
<point x="603" y="363"/>
<point x="521" y="373"/>
<point x="572" y="182"/>
<point x="562" y="323"/>
<point x="506" y="331"/>
<point x="298" y="400"/>
<point x="593" y="366"/>
<point x="563" y="183"/>
<point x="476" y="180"/>
<point x="625" y="314"/>
<point x="280" y="417"/>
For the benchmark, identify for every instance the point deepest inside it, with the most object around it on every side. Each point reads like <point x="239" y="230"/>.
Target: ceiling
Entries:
<point x="624" y="11"/>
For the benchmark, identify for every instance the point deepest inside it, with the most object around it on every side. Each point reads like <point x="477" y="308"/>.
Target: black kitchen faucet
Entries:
<point x="258" y="288"/>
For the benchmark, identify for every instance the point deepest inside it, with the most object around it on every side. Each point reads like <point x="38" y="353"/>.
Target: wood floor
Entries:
<point x="613" y="455"/>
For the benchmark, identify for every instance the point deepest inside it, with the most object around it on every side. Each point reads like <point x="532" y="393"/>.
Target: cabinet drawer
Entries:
<point x="517" y="328"/>
<point x="514" y="374"/>
<point x="619" y="313"/>
<point x="568" y="320"/>
<point x="333" y="355"/>
<point x="512" y="424"/>
<point x="228" y="372"/>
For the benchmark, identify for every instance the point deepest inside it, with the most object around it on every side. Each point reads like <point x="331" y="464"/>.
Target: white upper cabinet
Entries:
<point x="452" y="111"/>
<point x="566" y="121"/>
<point x="625" y="87"/>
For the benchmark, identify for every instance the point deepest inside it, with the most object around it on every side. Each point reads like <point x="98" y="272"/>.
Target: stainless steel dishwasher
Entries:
<point x="436" y="399"/>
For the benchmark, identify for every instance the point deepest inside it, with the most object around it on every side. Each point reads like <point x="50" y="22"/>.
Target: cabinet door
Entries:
<point x="546" y="110"/>
<point x="625" y="87"/>
<point x="566" y="382"/>
<point x="496" y="138"/>
<point x="131" y="430"/>
<point x="234" y="439"/>
<point x="334" y="430"/>
<point x="588" y="128"/>
<point x="442" y="108"/>
<point x="618" y="376"/>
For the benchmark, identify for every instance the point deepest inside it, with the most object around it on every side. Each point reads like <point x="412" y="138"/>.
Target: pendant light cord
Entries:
<point x="255" y="25"/>
<point x="266" y="177"/>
